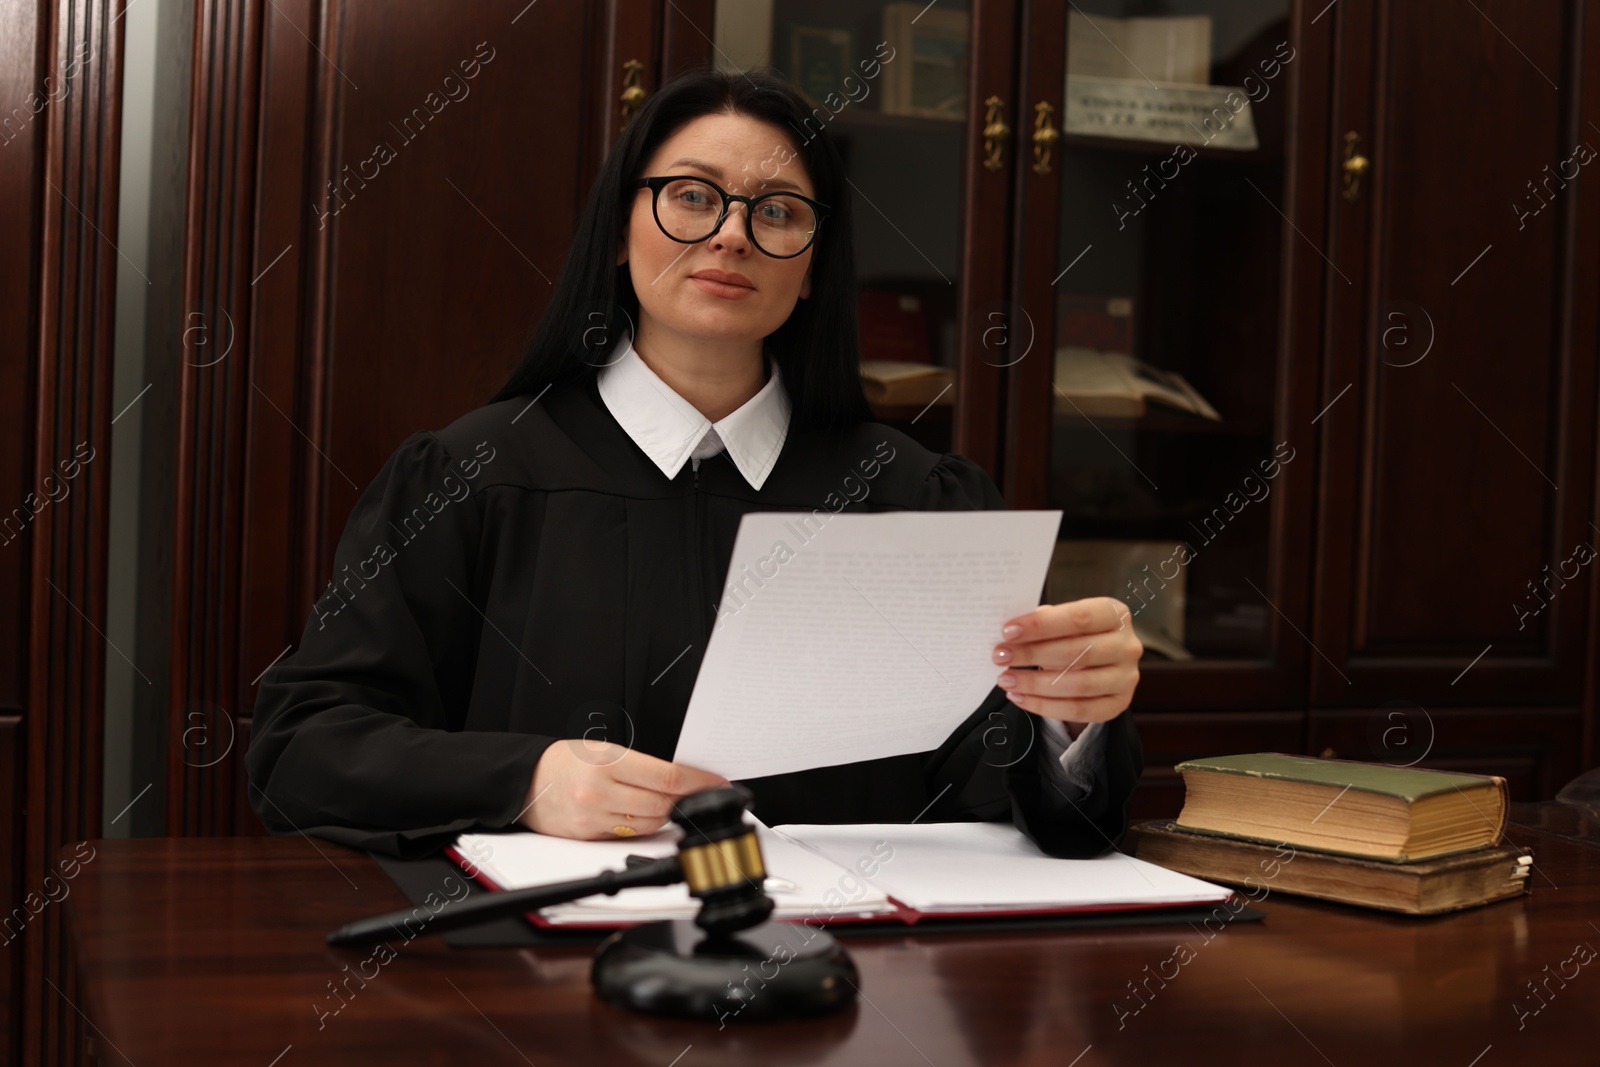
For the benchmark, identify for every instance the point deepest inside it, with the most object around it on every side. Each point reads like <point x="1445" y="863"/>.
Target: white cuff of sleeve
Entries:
<point x="1074" y="758"/>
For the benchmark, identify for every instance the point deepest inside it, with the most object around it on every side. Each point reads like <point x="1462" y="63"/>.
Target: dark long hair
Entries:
<point x="816" y="348"/>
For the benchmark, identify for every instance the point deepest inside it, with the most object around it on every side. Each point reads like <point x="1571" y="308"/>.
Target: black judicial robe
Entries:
<point x="528" y="574"/>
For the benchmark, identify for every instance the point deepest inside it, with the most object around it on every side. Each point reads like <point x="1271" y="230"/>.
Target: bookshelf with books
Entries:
<point x="1158" y="218"/>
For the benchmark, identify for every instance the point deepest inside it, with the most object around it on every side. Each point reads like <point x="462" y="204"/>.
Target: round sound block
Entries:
<point x="770" y="971"/>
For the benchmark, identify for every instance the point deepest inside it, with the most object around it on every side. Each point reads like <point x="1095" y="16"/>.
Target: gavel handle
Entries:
<point x="469" y="912"/>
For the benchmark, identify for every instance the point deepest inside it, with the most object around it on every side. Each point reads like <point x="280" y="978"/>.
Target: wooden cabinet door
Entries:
<point x="1172" y="214"/>
<point x="1457" y="407"/>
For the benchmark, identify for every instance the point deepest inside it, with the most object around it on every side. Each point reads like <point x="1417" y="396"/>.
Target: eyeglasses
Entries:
<point x="782" y="225"/>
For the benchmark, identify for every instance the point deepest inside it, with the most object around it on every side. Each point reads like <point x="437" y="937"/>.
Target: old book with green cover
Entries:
<point x="1427" y="887"/>
<point x="1399" y="814"/>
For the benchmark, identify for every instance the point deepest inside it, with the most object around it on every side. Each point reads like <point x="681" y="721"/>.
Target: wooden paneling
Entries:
<point x="985" y="231"/>
<point x="23" y="65"/>
<point x="374" y="224"/>
<point x="1169" y="738"/>
<point x="633" y="34"/>
<point x="1458" y="443"/>
<point x="1535" y="749"/>
<point x="688" y="36"/>
<point x="75" y="206"/>
<point x="22" y="69"/>
<point x="12" y="766"/>
<point x="1036" y="217"/>
<point x="214" y="384"/>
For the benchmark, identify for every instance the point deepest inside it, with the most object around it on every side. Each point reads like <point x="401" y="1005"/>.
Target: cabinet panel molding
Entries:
<point x="1535" y="748"/>
<point x="372" y="226"/>
<point x="1458" y="442"/>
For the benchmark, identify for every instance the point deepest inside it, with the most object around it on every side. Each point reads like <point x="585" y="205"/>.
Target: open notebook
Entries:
<point x="846" y="873"/>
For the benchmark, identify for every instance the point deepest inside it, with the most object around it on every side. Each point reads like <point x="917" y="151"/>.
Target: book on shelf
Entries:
<point x="927" y="74"/>
<point x="888" y="381"/>
<point x="1117" y="385"/>
<point x="1346" y="807"/>
<point x="1103" y="323"/>
<point x="743" y="35"/>
<point x="892" y="326"/>
<point x="1427" y="887"/>
<point x="845" y="873"/>
<point x="820" y="58"/>
<point x="1162" y="49"/>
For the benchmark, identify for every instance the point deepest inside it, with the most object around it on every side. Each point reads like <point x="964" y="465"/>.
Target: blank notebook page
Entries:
<point x="975" y="866"/>
<point x="799" y="881"/>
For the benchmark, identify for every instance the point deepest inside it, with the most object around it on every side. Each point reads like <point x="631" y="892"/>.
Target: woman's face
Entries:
<point x="746" y="157"/>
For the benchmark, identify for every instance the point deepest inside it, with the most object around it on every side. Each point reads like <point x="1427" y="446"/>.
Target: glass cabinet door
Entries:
<point x="1152" y="262"/>
<point x="893" y="84"/>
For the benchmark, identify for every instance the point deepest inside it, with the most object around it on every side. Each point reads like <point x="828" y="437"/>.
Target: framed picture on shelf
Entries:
<point x="820" y="57"/>
<point x="928" y="74"/>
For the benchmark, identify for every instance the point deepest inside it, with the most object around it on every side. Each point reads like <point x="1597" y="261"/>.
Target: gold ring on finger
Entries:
<point x="622" y="830"/>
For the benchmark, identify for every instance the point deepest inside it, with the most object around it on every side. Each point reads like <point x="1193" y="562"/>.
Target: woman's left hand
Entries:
<point x="1087" y="661"/>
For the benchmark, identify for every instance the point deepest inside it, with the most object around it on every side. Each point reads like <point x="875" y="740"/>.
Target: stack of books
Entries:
<point x="1401" y="839"/>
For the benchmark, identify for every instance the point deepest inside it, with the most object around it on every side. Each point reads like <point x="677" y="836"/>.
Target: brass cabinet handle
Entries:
<point x="1045" y="137"/>
<point x="633" y="93"/>
<point x="995" y="132"/>
<point x="1355" y="165"/>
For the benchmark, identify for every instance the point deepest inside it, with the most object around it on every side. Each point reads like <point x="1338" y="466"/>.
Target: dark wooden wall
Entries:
<point x="348" y="277"/>
<point x="21" y="52"/>
<point x="60" y="73"/>
<point x="1452" y="479"/>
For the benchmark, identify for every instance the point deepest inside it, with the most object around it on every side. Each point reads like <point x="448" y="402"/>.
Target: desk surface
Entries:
<point x="210" y="951"/>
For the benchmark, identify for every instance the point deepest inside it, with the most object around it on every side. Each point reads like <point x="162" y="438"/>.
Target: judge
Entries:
<point x="520" y="601"/>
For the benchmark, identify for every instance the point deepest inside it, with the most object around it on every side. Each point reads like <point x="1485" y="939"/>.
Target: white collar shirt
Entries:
<point x="671" y="430"/>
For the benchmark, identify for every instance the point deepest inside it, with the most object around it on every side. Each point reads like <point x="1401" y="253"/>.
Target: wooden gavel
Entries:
<point x="719" y="856"/>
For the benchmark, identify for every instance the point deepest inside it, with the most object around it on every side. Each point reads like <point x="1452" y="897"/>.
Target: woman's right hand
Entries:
<point x="585" y="788"/>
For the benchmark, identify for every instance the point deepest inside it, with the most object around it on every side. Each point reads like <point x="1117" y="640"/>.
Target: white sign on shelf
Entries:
<point x="1217" y="116"/>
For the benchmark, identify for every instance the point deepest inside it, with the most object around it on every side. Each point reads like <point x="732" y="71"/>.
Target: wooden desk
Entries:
<point x="210" y="951"/>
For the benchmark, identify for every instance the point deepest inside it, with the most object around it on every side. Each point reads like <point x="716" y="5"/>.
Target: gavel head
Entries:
<point x="721" y="859"/>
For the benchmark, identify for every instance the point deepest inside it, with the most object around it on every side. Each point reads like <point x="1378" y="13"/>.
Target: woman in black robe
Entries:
<point x="520" y="601"/>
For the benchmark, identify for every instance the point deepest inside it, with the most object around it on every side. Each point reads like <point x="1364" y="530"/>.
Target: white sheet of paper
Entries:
<point x="953" y="867"/>
<point x="858" y="636"/>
